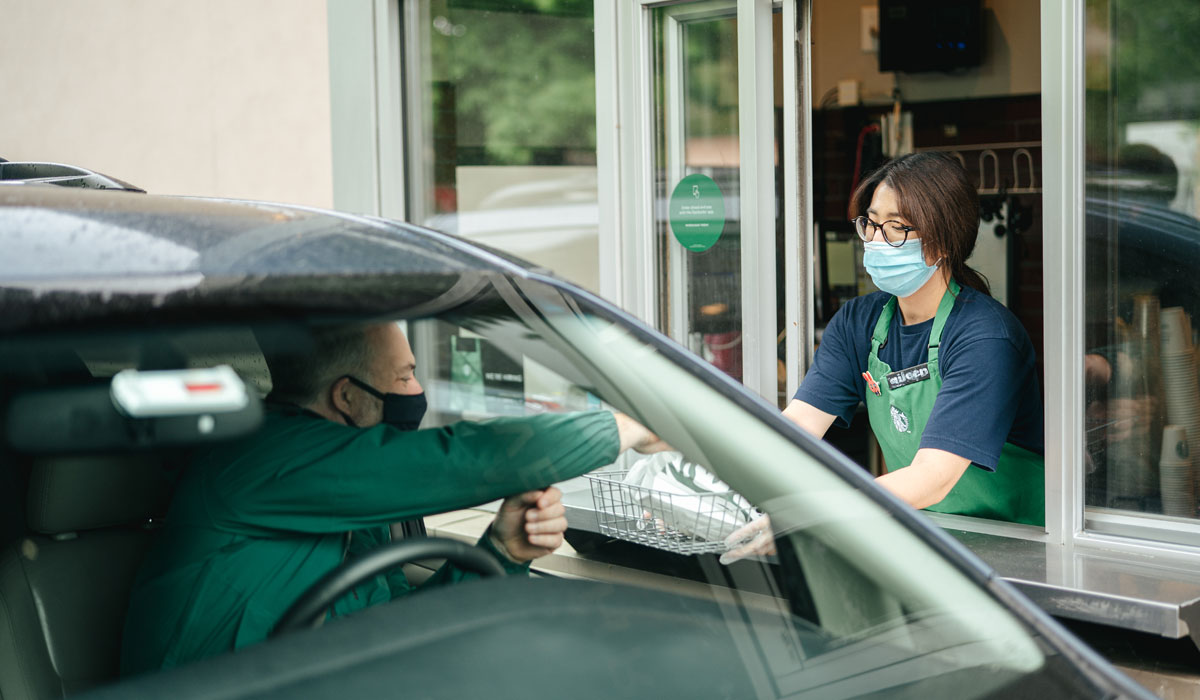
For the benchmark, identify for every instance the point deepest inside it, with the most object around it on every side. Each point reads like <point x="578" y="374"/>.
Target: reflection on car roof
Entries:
<point x="74" y="254"/>
<point x="104" y="233"/>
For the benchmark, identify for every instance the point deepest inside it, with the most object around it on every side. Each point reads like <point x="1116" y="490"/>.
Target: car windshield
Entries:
<point x="851" y="603"/>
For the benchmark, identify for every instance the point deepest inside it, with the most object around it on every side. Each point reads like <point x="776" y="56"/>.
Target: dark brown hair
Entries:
<point x="937" y="197"/>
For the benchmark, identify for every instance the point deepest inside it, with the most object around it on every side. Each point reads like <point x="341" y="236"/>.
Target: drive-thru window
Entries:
<point x="693" y="161"/>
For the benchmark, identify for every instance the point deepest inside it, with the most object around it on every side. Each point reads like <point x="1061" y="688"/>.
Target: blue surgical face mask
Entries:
<point x="899" y="270"/>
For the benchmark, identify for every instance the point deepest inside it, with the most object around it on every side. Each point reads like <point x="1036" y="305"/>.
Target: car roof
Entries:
<point x="75" y="255"/>
<point x="105" y="233"/>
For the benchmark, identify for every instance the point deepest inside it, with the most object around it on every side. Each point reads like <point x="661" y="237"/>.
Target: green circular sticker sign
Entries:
<point x="697" y="212"/>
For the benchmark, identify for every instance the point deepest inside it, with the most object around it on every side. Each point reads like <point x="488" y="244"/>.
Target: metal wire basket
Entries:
<point x="684" y="524"/>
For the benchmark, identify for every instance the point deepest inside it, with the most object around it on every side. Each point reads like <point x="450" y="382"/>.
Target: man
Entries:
<point x="255" y="522"/>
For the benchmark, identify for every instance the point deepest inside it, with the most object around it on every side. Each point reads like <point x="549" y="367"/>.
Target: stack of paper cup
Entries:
<point x="1130" y="458"/>
<point x="1148" y="340"/>
<point x="1175" y="473"/>
<point x="1182" y="392"/>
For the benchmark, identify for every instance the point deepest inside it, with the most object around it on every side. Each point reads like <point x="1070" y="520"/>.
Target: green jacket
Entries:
<point x="255" y="522"/>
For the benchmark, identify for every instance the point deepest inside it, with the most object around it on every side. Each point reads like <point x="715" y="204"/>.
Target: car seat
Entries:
<point x="65" y="584"/>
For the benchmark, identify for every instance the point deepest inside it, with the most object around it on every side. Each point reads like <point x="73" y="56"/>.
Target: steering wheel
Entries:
<point x="309" y="609"/>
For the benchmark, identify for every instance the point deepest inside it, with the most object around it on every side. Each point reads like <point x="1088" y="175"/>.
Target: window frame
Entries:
<point x="1062" y="211"/>
<point x="625" y="144"/>
<point x="1069" y="522"/>
<point x="367" y="106"/>
<point x="372" y="169"/>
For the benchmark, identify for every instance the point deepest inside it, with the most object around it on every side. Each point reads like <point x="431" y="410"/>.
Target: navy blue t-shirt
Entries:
<point x="989" y="395"/>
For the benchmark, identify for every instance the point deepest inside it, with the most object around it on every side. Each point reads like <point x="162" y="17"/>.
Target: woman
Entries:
<point x="947" y="373"/>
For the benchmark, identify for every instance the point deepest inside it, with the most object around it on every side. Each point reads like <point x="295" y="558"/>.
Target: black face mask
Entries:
<point x="403" y="411"/>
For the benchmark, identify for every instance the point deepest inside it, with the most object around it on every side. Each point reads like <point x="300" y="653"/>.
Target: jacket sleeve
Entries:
<point x="450" y="573"/>
<point x="315" y="476"/>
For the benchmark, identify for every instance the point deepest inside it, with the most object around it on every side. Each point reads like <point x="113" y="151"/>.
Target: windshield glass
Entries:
<point x="840" y="605"/>
<point x="848" y="603"/>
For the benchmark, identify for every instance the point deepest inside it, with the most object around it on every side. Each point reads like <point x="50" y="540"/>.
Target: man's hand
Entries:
<point x="530" y="525"/>
<point x="634" y="434"/>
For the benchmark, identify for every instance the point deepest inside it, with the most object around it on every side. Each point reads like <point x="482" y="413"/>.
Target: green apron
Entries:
<point x="1014" y="492"/>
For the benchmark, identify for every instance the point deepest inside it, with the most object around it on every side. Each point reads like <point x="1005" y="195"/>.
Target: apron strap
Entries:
<point x="879" y="335"/>
<point x="939" y="320"/>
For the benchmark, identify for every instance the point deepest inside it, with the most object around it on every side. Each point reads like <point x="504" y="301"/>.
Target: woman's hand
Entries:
<point x="752" y="539"/>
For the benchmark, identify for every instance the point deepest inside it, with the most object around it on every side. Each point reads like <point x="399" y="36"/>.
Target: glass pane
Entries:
<point x="852" y="603"/>
<point x="508" y="135"/>
<point x="469" y="376"/>
<point x="697" y="222"/>
<point x="1142" y="252"/>
<point x="842" y="601"/>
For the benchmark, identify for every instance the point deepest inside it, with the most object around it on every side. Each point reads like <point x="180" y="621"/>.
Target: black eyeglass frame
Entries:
<point x="861" y="229"/>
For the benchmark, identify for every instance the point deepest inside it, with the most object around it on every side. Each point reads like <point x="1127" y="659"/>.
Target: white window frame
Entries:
<point x="624" y="71"/>
<point x="1062" y="298"/>
<point x="1069" y="522"/>
<point x="798" y="223"/>
<point x="367" y="115"/>
<point x="1062" y="211"/>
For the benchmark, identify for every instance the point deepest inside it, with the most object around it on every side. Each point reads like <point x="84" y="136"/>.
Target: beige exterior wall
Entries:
<point x="221" y="97"/>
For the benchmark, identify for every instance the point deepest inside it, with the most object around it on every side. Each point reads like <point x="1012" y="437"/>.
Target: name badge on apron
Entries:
<point x="904" y="377"/>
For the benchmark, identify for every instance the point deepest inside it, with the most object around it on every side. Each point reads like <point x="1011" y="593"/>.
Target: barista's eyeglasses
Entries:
<point x="894" y="232"/>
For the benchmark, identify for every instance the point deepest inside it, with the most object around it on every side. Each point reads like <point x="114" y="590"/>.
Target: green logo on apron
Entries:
<point x="899" y="420"/>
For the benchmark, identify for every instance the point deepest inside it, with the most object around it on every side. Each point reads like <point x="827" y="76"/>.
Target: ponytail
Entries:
<point x="968" y="276"/>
